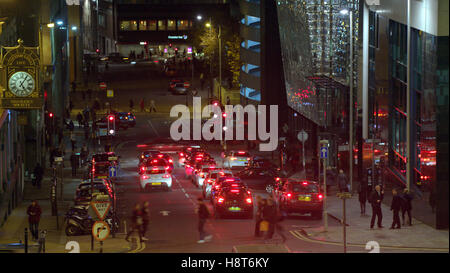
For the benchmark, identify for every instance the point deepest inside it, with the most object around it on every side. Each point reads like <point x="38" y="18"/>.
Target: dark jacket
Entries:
<point x="38" y="171"/>
<point x="342" y="182"/>
<point x="137" y="218"/>
<point x="270" y="214"/>
<point x="396" y="204"/>
<point x="407" y="198"/>
<point x="203" y="212"/>
<point x="374" y="197"/>
<point x="362" y="195"/>
<point x="259" y="210"/>
<point x="34" y="214"/>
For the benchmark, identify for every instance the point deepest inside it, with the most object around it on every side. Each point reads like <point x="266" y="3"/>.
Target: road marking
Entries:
<point x="299" y="236"/>
<point x="187" y="195"/>
<point x="139" y="249"/>
<point x="151" y="125"/>
<point x="164" y="212"/>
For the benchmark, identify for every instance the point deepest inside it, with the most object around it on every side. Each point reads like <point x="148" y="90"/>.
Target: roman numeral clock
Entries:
<point x="19" y="79"/>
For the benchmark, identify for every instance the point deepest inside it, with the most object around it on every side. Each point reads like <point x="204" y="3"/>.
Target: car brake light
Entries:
<point x="220" y="200"/>
<point x="144" y="177"/>
<point x="181" y="154"/>
<point x="241" y="152"/>
<point x="234" y="185"/>
<point x="155" y="161"/>
<point x="248" y="200"/>
<point x="217" y="187"/>
<point x="305" y="183"/>
<point x="289" y="195"/>
<point x="277" y="179"/>
<point x="142" y="168"/>
<point x="160" y="156"/>
<point x="166" y="176"/>
<point x="229" y="180"/>
<point x="320" y="196"/>
<point x="188" y="166"/>
<point x="167" y="167"/>
<point x="170" y="161"/>
<point x="222" y="173"/>
<point x="235" y="191"/>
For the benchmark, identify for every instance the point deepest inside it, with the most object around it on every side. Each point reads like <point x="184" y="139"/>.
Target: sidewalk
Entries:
<point x="417" y="237"/>
<point x="13" y="229"/>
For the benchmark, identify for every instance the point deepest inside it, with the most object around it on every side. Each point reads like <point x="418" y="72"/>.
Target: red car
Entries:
<point x="301" y="197"/>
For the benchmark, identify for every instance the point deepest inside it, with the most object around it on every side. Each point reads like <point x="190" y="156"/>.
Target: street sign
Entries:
<point x="102" y="85"/>
<point x="323" y="152"/>
<point x="112" y="158"/>
<point x="112" y="171"/>
<point x="110" y="93"/>
<point x="302" y="136"/>
<point x="372" y="140"/>
<point x="101" y="208"/>
<point x="58" y="159"/>
<point x="100" y="230"/>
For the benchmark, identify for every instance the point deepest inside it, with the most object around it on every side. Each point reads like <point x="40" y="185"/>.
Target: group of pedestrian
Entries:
<point x="140" y="220"/>
<point x="152" y="106"/>
<point x="268" y="213"/>
<point x="400" y="203"/>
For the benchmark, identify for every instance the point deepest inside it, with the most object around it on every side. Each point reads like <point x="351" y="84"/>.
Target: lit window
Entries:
<point x="142" y="25"/>
<point x="151" y="25"/>
<point x="162" y="25"/>
<point x="125" y="25"/>
<point x="182" y="24"/>
<point x="171" y="25"/>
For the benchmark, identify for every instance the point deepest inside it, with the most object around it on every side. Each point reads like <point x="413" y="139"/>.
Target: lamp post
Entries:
<point x="219" y="36"/>
<point x="350" y="136"/>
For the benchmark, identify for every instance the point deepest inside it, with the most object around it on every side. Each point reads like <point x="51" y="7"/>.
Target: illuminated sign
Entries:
<point x="178" y="37"/>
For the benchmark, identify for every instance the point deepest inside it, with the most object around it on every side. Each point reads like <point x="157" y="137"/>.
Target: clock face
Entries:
<point x="21" y="84"/>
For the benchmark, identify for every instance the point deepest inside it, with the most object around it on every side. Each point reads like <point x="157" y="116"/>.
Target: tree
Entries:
<point x="233" y="57"/>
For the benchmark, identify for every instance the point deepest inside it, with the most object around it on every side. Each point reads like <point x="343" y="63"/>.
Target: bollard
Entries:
<point x="26" y="240"/>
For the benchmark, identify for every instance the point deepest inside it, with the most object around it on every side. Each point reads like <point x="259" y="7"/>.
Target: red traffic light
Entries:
<point x="111" y="118"/>
<point x="50" y="114"/>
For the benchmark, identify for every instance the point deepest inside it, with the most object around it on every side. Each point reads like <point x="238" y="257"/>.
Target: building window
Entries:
<point x="142" y="25"/>
<point x="151" y="25"/>
<point x="102" y="20"/>
<point x="171" y="25"/>
<point x="128" y="25"/>
<point x="182" y="24"/>
<point x="162" y="25"/>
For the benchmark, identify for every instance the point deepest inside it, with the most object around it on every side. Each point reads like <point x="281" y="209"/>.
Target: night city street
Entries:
<point x="121" y="122"/>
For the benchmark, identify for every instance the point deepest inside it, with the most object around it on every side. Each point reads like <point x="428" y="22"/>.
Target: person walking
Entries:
<point x="145" y="218"/>
<point x="396" y="205"/>
<point x="342" y="181"/>
<point x="38" y="174"/>
<point x="228" y="100"/>
<point x="79" y="119"/>
<point x="271" y="215"/>
<point x="131" y="105"/>
<point x="152" y="106"/>
<point x="375" y="199"/>
<point x="74" y="162"/>
<point x="362" y="195"/>
<point x="203" y="215"/>
<point x="142" y="105"/>
<point x="406" y="205"/>
<point x="260" y="203"/>
<point x="34" y="216"/>
<point x="136" y="222"/>
<point x="72" y="140"/>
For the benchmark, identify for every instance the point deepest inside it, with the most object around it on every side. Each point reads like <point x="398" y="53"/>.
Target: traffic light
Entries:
<point x="111" y="125"/>
<point x="170" y="45"/>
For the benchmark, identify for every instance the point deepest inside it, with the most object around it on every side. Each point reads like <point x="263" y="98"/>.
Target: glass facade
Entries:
<point x="423" y="110"/>
<point x="155" y="25"/>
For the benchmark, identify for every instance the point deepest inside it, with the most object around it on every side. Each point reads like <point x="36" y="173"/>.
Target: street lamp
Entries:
<point x="199" y="17"/>
<point x="350" y="136"/>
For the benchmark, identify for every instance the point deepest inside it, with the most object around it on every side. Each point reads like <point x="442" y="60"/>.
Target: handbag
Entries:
<point x="264" y="226"/>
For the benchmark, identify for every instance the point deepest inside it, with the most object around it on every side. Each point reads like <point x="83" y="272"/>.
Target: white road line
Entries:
<point x="151" y="125"/>
<point x="187" y="195"/>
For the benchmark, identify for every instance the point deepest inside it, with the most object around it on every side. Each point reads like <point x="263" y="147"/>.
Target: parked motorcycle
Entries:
<point x="79" y="222"/>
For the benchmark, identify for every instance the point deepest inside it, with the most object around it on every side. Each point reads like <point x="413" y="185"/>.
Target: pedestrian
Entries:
<point x="71" y="105"/>
<point x="260" y="204"/>
<point x="136" y="222"/>
<point x="396" y="205"/>
<point x="271" y="215"/>
<point x="152" y="106"/>
<point x="145" y="218"/>
<point x="203" y="215"/>
<point x="72" y="140"/>
<point x="71" y="126"/>
<point x="362" y="194"/>
<point x="38" y="174"/>
<point x="228" y="100"/>
<point x="86" y="113"/>
<point x="331" y="178"/>
<point x="342" y="181"/>
<point x="375" y="199"/>
<point x="74" y="162"/>
<point x="142" y="104"/>
<point x="34" y="216"/>
<point x="79" y="119"/>
<point x="406" y="205"/>
<point x="131" y="105"/>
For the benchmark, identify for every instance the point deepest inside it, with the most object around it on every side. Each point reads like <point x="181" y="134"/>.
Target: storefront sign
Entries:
<point x="178" y="37"/>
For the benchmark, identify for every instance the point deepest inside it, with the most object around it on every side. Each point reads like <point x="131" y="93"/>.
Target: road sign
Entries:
<point x="100" y="230"/>
<point x="109" y="93"/>
<point x="101" y="208"/>
<point x="58" y="159"/>
<point x="302" y="136"/>
<point x="112" y="171"/>
<point x="102" y="85"/>
<point x="323" y="152"/>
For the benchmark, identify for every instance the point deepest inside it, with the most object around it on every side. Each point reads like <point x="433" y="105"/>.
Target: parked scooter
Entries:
<point x="79" y="222"/>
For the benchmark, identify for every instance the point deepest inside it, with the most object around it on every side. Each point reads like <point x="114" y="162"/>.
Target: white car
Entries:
<point x="198" y="176"/>
<point x="155" y="177"/>
<point x="210" y="178"/>
<point x="233" y="159"/>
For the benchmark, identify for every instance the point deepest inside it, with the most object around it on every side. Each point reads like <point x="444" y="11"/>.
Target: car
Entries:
<point x="106" y="157"/>
<point x="153" y="162"/>
<point x="131" y="119"/>
<point x="178" y="87"/>
<point x="261" y="162"/>
<point x="233" y="159"/>
<point x="122" y="120"/>
<point x="200" y="172"/>
<point x="259" y="179"/>
<point x="223" y="182"/>
<point x="233" y="201"/>
<point x="155" y="176"/>
<point x="186" y="152"/>
<point x="83" y="193"/>
<point x="115" y="57"/>
<point x="147" y="154"/>
<point x="301" y="197"/>
<point x="170" y="71"/>
<point x="211" y="178"/>
<point x="167" y="157"/>
<point x="193" y="160"/>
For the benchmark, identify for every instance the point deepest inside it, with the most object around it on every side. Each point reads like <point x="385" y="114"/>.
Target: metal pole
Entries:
<point x="26" y="240"/>
<point x="303" y="157"/>
<point x="350" y="142"/>
<point x="325" y="214"/>
<point x="344" y="227"/>
<point x="408" y="102"/>
<point x="220" y="64"/>
<point x="210" y="65"/>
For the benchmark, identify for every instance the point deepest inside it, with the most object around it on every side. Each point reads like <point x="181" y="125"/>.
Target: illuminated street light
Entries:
<point x="208" y="25"/>
<point x="199" y="17"/>
<point x="51" y="25"/>
<point x="59" y="22"/>
<point x="344" y="12"/>
<point x="74" y="28"/>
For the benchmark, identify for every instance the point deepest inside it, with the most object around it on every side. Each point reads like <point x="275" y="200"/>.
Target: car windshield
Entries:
<point x="301" y="188"/>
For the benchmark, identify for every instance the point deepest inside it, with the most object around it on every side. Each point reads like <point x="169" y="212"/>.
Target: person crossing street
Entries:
<point x="203" y="215"/>
<point x="145" y="218"/>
